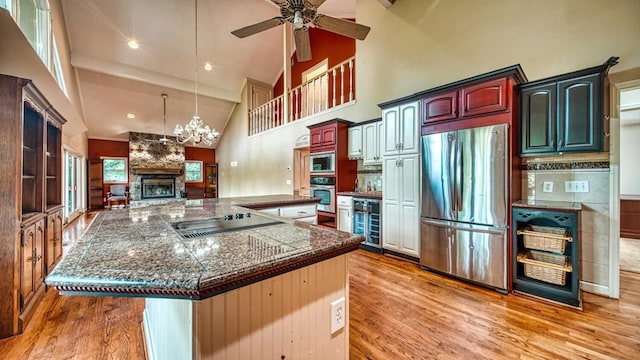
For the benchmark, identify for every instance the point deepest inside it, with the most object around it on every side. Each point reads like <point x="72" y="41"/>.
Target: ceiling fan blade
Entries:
<point x="342" y="27"/>
<point x="303" y="45"/>
<point x="315" y="3"/>
<point x="258" y="27"/>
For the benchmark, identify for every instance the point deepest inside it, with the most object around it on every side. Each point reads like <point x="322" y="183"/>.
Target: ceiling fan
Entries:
<point x="300" y="13"/>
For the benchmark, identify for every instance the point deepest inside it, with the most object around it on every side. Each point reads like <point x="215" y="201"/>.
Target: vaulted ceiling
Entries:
<point x="115" y="80"/>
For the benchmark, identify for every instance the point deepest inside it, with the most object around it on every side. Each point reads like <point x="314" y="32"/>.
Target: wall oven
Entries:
<point x="322" y="163"/>
<point x="324" y="187"/>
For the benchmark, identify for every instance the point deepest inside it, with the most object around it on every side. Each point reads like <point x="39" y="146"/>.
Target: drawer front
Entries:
<point x="345" y="201"/>
<point x="295" y="212"/>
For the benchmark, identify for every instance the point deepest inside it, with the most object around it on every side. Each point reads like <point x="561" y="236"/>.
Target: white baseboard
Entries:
<point x="595" y="288"/>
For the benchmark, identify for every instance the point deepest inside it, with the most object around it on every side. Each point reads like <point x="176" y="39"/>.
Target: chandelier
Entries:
<point x="195" y="130"/>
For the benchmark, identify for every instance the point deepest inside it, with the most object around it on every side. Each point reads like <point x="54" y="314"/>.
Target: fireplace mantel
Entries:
<point x="155" y="171"/>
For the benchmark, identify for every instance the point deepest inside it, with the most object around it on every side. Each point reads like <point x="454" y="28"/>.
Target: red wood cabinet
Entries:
<point x="441" y="107"/>
<point x="481" y="99"/>
<point x="485" y="98"/>
<point x="323" y="136"/>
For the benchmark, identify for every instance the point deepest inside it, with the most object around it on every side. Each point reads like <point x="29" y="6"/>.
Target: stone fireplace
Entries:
<point x="154" y="167"/>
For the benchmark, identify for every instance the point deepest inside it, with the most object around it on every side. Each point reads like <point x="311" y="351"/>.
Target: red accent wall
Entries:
<point x="203" y="154"/>
<point x="98" y="148"/>
<point x="324" y="45"/>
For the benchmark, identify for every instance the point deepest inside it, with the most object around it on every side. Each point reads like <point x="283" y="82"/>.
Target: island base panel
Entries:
<point x="283" y="317"/>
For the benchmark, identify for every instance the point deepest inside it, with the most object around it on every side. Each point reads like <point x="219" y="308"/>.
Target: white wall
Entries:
<point x="629" y="165"/>
<point x="418" y="44"/>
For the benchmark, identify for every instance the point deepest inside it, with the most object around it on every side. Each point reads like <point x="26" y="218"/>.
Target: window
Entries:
<point x="115" y="170"/>
<point x="35" y="23"/>
<point x="56" y="69"/>
<point x="7" y="4"/>
<point x="193" y="171"/>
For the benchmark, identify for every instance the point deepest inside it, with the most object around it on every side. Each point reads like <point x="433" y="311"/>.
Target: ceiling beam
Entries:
<point x="387" y="3"/>
<point x="150" y="77"/>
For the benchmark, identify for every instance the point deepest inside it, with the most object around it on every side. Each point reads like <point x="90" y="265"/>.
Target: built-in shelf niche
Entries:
<point x="31" y="160"/>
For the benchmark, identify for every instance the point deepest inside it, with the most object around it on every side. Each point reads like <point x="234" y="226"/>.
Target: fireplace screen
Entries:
<point x="158" y="187"/>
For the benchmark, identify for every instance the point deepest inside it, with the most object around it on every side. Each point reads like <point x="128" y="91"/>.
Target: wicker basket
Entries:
<point x="545" y="238"/>
<point x="545" y="267"/>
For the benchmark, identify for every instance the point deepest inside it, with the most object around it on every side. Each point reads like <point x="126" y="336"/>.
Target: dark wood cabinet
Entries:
<point x="211" y="181"/>
<point x="565" y="113"/>
<point x="32" y="266"/>
<point x="95" y="184"/>
<point x="538" y="119"/>
<point x="442" y="107"/>
<point x="546" y="246"/>
<point x="629" y="215"/>
<point x="30" y="190"/>
<point x="580" y="115"/>
<point x="53" y="239"/>
<point x="323" y="136"/>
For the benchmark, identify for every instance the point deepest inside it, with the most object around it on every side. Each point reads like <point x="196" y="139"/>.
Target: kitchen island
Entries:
<point x="266" y="291"/>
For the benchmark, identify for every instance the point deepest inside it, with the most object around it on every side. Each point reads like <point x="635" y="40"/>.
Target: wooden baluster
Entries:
<point x="341" y="84"/>
<point x="333" y="96"/>
<point x="350" y="80"/>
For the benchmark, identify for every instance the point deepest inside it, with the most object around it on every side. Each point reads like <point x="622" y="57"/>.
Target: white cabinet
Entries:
<point x="355" y="142"/>
<point x="401" y="129"/>
<point x="304" y="212"/>
<point x="345" y="213"/>
<point x="372" y="134"/>
<point x="401" y="204"/>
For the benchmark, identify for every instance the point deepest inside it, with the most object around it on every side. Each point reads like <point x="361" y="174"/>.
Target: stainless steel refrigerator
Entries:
<point x="464" y="204"/>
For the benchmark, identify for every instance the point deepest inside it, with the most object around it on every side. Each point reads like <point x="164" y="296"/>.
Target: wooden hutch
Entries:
<point x="31" y="197"/>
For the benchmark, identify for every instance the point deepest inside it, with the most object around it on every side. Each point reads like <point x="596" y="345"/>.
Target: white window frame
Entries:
<point x="201" y="177"/>
<point x="126" y="170"/>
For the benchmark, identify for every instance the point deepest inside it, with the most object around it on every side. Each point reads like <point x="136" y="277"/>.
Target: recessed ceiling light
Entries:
<point x="208" y="66"/>
<point x="133" y="43"/>
<point x="131" y="116"/>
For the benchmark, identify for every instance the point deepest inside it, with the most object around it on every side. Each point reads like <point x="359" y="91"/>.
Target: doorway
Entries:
<point x="316" y="90"/>
<point x="73" y="188"/>
<point x="301" y="179"/>
<point x="629" y="173"/>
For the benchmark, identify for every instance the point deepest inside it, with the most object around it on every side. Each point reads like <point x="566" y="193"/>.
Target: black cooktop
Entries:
<point x="231" y="222"/>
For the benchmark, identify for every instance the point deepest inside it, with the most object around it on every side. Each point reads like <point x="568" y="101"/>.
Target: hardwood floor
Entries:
<point x="398" y="311"/>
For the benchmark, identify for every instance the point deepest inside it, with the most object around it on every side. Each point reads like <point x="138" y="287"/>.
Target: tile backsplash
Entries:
<point x="369" y="177"/>
<point x="546" y="178"/>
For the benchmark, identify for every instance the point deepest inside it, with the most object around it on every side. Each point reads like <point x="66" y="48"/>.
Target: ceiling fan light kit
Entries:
<point x="194" y="131"/>
<point x="300" y="13"/>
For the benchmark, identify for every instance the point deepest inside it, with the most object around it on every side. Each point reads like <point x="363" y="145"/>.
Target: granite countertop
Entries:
<point x="549" y="205"/>
<point x="365" y="195"/>
<point x="136" y="251"/>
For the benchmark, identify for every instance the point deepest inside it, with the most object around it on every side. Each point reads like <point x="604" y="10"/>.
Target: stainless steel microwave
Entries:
<point x="322" y="163"/>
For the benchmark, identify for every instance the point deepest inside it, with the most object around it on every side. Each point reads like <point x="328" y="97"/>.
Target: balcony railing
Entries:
<point x="319" y="94"/>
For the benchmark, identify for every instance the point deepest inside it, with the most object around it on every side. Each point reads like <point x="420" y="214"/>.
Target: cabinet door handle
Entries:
<point x="561" y="143"/>
<point x="553" y="143"/>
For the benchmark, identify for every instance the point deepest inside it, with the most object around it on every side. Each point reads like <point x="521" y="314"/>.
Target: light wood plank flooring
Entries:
<point x="398" y="311"/>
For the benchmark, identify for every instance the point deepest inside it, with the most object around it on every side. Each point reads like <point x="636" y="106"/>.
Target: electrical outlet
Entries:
<point x="338" y="315"/>
<point x="581" y="186"/>
<point x="288" y="182"/>
<point x="547" y="186"/>
<point x="233" y="163"/>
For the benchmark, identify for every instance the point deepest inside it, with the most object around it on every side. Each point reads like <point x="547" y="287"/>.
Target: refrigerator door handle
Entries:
<point x="459" y="174"/>
<point x="452" y="173"/>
